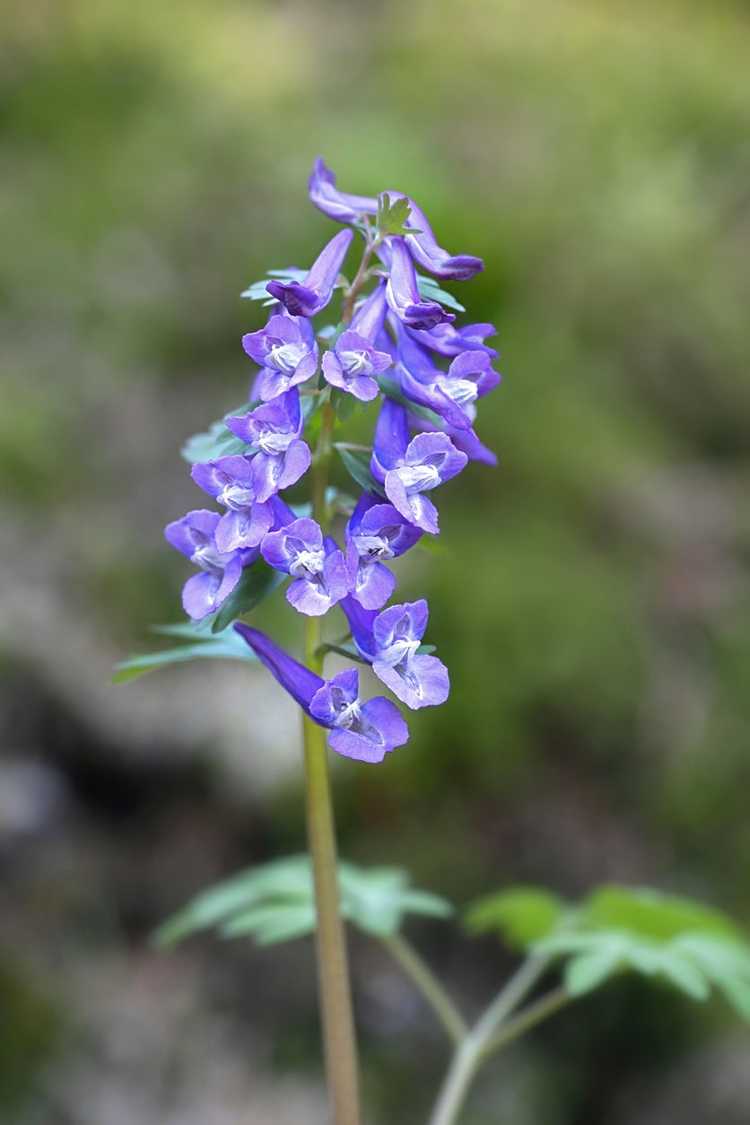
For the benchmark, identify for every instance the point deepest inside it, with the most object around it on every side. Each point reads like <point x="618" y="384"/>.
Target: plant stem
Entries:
<point x="333" y="970"/>
<point x="529" y="1017"/>
<point x="471" y="1052"/>
<point x="428" y="984"/>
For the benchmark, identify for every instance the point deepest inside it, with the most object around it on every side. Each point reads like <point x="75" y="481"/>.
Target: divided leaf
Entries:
<point x="276" y="902"/>
<point x="357" y="464"/>
<point x="224" y="645"/>
<point x="392" y="217"/>
<point x="689" y="946"/>
<point x="521" y="914"/>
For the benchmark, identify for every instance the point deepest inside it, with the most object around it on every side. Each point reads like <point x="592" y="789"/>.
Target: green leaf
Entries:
<point x="521" y="914"/>
<point x="653" y="914"/>
<point x="216" y="441"/>
<point x="223" y="646"/>
<point x="431" y="291"/>
<point x="275" y="902"/>
<point x="589" y="970"/>
<point x="256" y="583"/>
<point x="684" y="944"/>
<point x="392" y="217"/>
<point x="344" y="405"/>
<point x="357" y="464"/>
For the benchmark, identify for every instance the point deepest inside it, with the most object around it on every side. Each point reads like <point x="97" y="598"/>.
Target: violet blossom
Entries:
<point x="316" y="565"/>
<point x="273" y="433"/>
<point x="375" y="532"/>
<point x="448" y="340"/>
<point x="408" y="469"/>
<point x="390" y="641"/>
<point x="402" y="291"/>
<point x="311" y="295"/>
<point x="230" y="481"/>
<point x="365" y="731"/>
<point x="453" y="393"/>
<point x="286" y="351"/>
<point x="354" y="361"/>
<point x="195" y="536"/>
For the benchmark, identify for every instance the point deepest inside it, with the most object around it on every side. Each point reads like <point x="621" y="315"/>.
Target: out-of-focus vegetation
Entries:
<point x="591" y="596"/>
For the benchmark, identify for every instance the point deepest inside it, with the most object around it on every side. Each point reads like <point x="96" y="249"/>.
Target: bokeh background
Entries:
<point x="590" y="597"/>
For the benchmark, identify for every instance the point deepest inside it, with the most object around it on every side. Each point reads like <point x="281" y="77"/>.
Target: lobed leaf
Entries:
<point x="357" y="464"/>
<point x="275" y="902"/>
<point x="521" y="914"/>
<point x="218" y="646"/>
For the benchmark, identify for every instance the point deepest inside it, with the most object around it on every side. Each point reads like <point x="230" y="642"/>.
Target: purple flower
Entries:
<point x="408" y="469"/>
<point x="308" y="297"/>
<point x="338" y="205"/>
<point x="465" y="440"/>
<point x="390" y="641"/>
<point x="453" y="393"/>
<point x="230" y="481"/>
<point x="345" y="208"/>
<point x="195" y="536"/>
<point x="286" y="351"/>
<point x="450" y="341"/>
<point x="402" y="292"/>
<point x="431" y="257"/>
<point x="273" y="433"/>
<point x="354" y="361"/>
<point x="375" y="532"/>
<point x="363" y="731"/>
<point x="318" y="567"/>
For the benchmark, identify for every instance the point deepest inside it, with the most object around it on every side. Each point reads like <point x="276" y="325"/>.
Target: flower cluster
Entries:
<point x="398" y="343"/>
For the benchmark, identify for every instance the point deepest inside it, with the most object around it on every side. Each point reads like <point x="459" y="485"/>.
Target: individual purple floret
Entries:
<point x="338" y="205"/>
<point x="448" y="340"/>
<point x="354" y="361"/>
<point x="466" y="440"/>
<point x="195" y="536"/>
<point x="309" y="297"/>
<point x="230" y="481"/>
<point x="273" y="433"/>
<point x="402" y="292"/>
<point x="375" y="532"/>
<point x="407" y="469"/>
<point x="318" y="567"/>
<point x="431" y="257"/>
<point x="363" y="731"/>
<point x="345" y="208"/>
<point x="390" y="641"/>
<point x="286" y="351"/>
<point x="453" y="393"/>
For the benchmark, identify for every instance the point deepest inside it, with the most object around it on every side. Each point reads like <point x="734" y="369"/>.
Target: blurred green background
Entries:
<point x="591" y="596"/>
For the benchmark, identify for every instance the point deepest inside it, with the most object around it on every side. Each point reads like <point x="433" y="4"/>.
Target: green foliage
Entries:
<point x="689" y="946"/>
<point x="275" y="903"/>
<point x="256" y="583"/>
<point x="357" y="464"/>
<point x="216" y="441"/>
<point x="224" y="645"/>
<point x="522" y="915"/>
<point x="392" y="217"/>
<point x="431" y="291"/>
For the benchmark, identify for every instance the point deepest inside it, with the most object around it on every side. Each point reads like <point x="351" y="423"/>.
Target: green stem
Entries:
<point x="333" y="970"/>
<point x="428" y="984"/>
<point x="471" y="1052"/>
<point x="529" y="1017"/>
